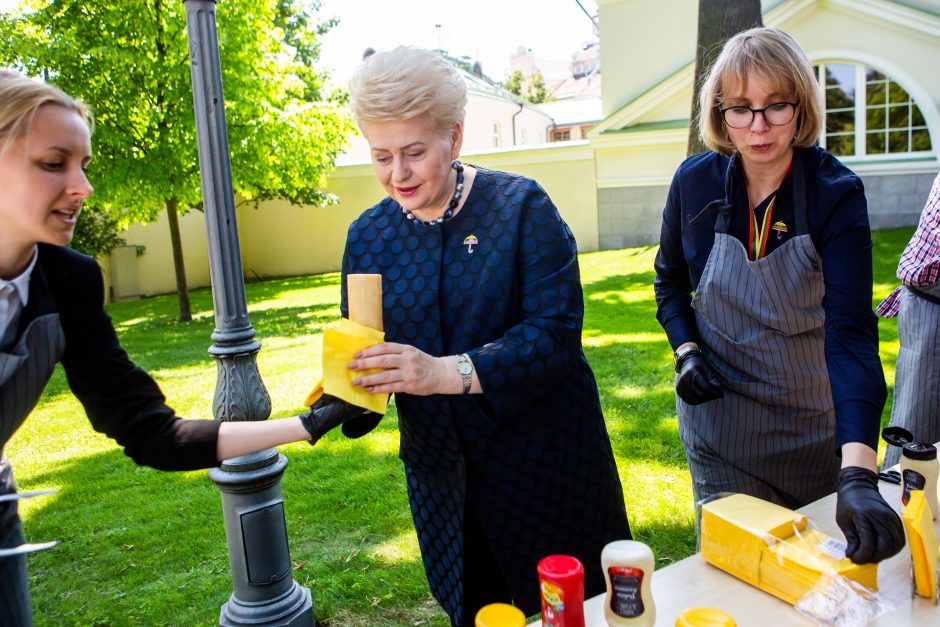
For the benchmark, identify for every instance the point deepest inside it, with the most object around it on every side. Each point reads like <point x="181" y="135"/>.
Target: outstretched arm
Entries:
<point x="243" y="437"/>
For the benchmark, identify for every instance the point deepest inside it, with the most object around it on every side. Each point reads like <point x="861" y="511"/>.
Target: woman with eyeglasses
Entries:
<point x="764" y="288"/>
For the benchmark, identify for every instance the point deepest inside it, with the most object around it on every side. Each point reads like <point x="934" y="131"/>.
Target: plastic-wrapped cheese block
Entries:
<point x="770" y="547"/>
<point x="797" y="564"/>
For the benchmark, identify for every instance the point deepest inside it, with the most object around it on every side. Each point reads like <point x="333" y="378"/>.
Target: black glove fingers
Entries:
<point x="867" y="541"/>
<point x="889" y="538"/>
<point x="697" y="382"/>
<point x="851" y="540"/>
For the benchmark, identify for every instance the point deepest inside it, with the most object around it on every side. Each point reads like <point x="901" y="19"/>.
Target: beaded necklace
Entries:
<point x="454" y="200"/>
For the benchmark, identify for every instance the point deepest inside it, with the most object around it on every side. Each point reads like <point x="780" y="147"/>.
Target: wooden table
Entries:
<point x="693" y="582"/>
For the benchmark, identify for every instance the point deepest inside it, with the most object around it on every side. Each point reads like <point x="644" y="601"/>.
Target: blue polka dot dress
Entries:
<point x="529" y="459"/>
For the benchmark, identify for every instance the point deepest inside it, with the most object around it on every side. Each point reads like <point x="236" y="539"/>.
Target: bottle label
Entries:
<point x="553" y="605"/>
<point x="912" y="480"/>
<point x="625" y="585"/>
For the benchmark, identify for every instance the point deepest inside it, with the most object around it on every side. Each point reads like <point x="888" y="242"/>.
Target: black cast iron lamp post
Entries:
<point x="264" y="591"/>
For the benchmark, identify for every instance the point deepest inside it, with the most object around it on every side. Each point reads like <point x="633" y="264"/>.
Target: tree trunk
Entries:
<point x="186" y="313"/>
<point x="718" y="21"/>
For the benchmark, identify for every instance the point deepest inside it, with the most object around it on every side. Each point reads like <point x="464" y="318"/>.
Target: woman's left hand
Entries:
<point x="404" y="369"/>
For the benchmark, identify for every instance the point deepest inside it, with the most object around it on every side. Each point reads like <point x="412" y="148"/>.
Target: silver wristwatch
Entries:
<point x="465" y="368"/>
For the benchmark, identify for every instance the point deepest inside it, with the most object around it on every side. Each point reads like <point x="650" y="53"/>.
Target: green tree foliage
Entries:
<point x="537" y="92"/>
<point x="514" y="83"/>
<point x="97" y="232"/>
<point x="718" y="21"/>
<point x="130" y="62"/>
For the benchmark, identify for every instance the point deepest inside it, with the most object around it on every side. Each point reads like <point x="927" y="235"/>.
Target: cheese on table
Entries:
<point x="922" y="539"/>
<point x="771" y="548"/>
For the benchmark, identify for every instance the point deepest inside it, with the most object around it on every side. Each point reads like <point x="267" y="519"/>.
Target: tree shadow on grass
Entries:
<point x="154" y="343"/>
<point x="141" y="546"/>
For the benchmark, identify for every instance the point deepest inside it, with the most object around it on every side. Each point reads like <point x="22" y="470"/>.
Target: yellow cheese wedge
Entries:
<point x="340" y="343"/>
<point x="921" y="537"/>
<point x="770" y="547"/>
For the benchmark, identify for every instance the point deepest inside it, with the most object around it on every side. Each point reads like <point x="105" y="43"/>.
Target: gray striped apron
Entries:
<point x="25" y="368"/>
<point x="760" y="325"/>
<point x="917" y="374"/>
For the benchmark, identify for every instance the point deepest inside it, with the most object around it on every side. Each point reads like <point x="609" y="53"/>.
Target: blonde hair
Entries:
<point x="775" y="56"/>
<point x="405" y="83"/>
<point x="21" y="97"/>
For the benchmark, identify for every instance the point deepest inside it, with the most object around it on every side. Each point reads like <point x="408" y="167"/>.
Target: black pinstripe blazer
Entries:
<point x="121" y="400"/>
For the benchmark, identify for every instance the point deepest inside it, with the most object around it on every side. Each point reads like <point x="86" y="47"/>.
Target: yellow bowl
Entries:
<point x="704" y="617"/>
<point x="499" y="615"/>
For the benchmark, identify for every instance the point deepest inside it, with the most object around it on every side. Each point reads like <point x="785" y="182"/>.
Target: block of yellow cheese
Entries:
<point x="735" y="530"/>
<point x="922" y="539"/>
<point x="770" y="547"/>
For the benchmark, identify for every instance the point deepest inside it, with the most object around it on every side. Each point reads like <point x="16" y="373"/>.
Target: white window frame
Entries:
<point x="861" y="118"/>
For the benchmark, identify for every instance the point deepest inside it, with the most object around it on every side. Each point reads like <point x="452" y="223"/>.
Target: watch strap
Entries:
<point x="680" y="355"/>
<point x="465" y="368"/>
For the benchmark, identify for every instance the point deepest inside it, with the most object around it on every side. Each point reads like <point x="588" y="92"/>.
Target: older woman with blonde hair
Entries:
<point x="506" y="454"/>
<point x="764" y="288"/>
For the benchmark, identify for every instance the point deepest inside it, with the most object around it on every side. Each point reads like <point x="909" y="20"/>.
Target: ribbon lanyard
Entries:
<point x="759" y="234"/>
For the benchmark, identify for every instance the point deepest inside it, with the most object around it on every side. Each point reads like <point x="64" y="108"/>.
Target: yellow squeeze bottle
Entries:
<point x="922" y="540"/>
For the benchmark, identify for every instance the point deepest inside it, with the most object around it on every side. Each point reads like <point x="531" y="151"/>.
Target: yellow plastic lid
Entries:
<point x="499" y="615"/>
<point x="704" y="617"/>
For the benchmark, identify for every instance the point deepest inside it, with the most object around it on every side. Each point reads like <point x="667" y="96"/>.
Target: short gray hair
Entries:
<point x="405" y="83"/>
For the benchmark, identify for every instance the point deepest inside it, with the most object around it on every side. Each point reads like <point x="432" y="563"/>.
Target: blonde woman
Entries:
<point x="505" y="450"/>
<point x="764" y="287"/>
<point x="51" y="310"/>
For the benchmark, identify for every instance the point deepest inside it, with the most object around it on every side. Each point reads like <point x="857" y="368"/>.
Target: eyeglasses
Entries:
<point x="777" y="114"/>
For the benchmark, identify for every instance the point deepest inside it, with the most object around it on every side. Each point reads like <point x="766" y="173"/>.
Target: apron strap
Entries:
<point x="799" y="193"/>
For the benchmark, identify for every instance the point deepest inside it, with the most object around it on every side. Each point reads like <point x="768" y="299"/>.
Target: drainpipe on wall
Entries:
<point x="514" y="123"/>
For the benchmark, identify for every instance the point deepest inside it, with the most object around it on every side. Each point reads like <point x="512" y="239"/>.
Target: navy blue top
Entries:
<point x="500" y="282"/>
<point x="839" y="228"/>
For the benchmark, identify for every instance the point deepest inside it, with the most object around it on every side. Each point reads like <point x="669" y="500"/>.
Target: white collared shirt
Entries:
<point x="14" y="294"/>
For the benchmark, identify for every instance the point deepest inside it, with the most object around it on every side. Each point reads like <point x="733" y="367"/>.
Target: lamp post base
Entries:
<point x="265" y="593"/>
<point x="294" y="609"/>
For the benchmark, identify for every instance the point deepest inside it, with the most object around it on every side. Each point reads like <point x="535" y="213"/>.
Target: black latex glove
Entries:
<point x="329" y="412"/>
<point x="872" y="528"/>
<point x="698" y="382"/>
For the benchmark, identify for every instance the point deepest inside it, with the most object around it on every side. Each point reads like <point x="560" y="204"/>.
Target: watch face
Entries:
<point x="464" y="367"/>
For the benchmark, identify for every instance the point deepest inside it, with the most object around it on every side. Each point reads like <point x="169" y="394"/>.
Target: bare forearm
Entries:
<point x="241" y="438"/>
<point x="858" y="454"/>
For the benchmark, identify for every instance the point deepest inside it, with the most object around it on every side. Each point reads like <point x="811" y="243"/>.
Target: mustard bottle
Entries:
<point x="919" y="471"/>
<point x="628" y="570"/>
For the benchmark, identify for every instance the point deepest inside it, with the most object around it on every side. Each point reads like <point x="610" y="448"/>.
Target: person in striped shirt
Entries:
<point x="916" y="303"/>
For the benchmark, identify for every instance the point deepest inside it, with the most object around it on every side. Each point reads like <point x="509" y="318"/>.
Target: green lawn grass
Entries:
<point x="142" y="547"/>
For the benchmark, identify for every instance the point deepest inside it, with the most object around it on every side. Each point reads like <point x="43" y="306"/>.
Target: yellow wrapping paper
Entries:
<point x="922" y="539"/>
<point x="340" y="343"/>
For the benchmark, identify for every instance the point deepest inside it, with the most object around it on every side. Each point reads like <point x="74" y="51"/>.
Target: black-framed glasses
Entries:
<point x="777" y="114"/>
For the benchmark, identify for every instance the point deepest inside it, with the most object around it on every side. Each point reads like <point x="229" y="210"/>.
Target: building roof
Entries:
<point x="568" y="112"/>
<point x="773" y="12"/>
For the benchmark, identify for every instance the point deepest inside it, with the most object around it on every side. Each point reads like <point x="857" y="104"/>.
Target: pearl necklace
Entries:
<point x="454" y="200"/>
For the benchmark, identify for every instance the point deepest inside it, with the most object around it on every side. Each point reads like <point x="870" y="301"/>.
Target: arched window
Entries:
<point x="868" y="115"/>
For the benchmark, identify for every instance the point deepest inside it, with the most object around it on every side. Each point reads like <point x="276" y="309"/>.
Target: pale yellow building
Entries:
<point x="863" y="49"/>
<point x="877" y="63"/>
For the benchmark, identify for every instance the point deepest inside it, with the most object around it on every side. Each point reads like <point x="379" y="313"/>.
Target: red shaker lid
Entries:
<point x="560" y="566"/>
